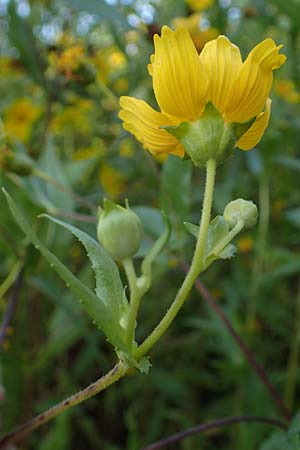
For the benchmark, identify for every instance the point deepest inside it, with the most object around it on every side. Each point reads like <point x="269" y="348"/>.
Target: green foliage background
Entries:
<point x="62" y="150"/>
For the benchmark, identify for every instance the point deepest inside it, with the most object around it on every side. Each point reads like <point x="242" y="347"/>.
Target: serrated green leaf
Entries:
<point x="97" y="310"/>
<point x="109" y="288"/>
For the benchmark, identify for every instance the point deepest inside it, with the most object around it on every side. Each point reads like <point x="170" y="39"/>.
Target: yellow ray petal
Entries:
<point x="257" y="129"/>
<point x="222" y="61"/>
<point x="144" y="123"/>
<point x="254" y="82"/>
<point x="179" y="81"/>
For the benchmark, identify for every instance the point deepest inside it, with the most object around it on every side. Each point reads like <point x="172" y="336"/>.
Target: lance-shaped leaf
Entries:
<point x="98" y="310"/>
<point x="109" y="288"/>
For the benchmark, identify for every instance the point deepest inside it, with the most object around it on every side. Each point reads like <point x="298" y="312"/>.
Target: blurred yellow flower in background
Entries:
<point x="108" y="61"/>
<point x="193" y="25"/>
<point x="126" y="148"/>
<point x="185" y="82"/>
<point x="286" y="89"/>
<point x="112" y="180"/>
<point x="121" y="85"/>
<point x="245" y="244"/>
<point x="95" y="150"/>
<point x="69" y="60"/>
<point x="74" y="117"/>
<point x="20" y="117"/>
<point x="199" y="5"/>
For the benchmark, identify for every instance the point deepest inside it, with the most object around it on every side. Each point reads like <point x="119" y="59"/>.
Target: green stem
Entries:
<point x="107" y="380"/>
<point x="135" y="297"/>
<point x="228" y="238"/>
<point x="195" y="268"/>
<point x="294" y="357"/>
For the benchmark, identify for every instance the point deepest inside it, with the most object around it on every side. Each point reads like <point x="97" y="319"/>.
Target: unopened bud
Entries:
<point x="241" y="210"/>
<point x="119" y="230"/>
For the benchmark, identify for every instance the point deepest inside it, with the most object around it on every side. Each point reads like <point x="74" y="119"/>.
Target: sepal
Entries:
<point x="207" y="138"/>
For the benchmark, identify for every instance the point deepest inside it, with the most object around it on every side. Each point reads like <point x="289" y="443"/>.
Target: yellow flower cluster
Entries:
<point x="69" y="60"/>
<point x="185" y="82"/>
<point x="20" y="117"/>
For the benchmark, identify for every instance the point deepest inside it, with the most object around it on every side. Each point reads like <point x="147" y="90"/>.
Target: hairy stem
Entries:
<point x="195" y="269"/>
<point x="135" y="297"/>
<point x="118" y="371"/>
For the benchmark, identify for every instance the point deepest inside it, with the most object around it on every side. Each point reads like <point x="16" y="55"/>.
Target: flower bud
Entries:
<point x="119" y="230"/>
<point x="241" y="210"/>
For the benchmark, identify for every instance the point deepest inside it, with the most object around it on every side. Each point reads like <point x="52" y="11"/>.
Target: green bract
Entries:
<point x="119" y="230"/>
<point x="208" y="137"/>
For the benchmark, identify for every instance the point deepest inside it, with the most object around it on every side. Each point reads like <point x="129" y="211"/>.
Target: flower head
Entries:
<point x="186" y="84"/>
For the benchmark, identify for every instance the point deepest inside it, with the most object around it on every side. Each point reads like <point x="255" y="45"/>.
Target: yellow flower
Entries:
<point x="286" y="89"/>
<point x="199" y="5"/>
<point x="185" y="83"/>
<point x="20" y="117"/>
<point x="192" y="24"/>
